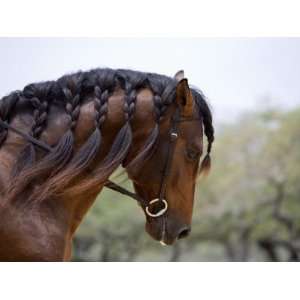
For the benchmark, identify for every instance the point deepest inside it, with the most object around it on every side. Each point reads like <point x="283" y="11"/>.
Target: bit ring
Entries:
<point x="159" y="213"/>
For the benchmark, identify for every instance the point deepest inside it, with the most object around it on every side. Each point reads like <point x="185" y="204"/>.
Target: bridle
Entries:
<point x="173" y="135"/>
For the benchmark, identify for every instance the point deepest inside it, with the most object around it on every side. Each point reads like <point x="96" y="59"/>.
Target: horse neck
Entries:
<point x="58" y="122"/>
<point x="141" y="125"/>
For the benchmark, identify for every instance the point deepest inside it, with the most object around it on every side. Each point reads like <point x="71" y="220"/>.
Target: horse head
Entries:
<point x="166" y="179"/>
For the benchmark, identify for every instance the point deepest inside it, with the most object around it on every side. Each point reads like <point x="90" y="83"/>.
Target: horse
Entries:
<point x="62" y="139"/>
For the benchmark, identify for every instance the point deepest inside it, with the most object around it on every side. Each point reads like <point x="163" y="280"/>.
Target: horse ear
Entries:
<point x="184" y="97"/>
<point x="179" y="75"/>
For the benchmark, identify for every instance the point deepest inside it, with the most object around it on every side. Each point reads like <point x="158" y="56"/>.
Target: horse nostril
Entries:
<point x="184" y="232"/>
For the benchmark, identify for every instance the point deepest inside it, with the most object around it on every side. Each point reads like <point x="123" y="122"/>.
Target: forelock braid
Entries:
<point x="6" y="106"/>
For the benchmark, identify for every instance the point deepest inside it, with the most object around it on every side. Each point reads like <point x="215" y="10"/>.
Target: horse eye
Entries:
<point x="192" y="154"/>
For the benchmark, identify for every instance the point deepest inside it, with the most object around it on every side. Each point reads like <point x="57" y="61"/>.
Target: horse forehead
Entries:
<point x="192" y="131"/>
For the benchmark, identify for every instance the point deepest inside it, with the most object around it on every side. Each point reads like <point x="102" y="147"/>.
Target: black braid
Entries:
<point x="159" y="108"/>
<point x="206" y="115"/>
<point x="68" y="92"/>
<point x="72" y="106"/>
<point x="162" y="100"/>
<point x="207" y="121"/>
<point x="87" y="152"/>
<point x="209" y="132"/>
<point x="37" y="96"/>
<point x="129" y="101"/>
<point x="100" y="105"/>
<point x="39" y="115"/>
<point x="6" y="106"/>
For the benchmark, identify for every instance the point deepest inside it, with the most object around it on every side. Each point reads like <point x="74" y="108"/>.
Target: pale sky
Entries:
<point x="235" y="74"/>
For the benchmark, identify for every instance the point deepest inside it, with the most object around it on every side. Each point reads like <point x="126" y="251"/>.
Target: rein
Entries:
<point x="173" y="135"/>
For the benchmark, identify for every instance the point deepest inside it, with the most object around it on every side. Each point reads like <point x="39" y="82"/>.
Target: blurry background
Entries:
<point x="248" y="209"/>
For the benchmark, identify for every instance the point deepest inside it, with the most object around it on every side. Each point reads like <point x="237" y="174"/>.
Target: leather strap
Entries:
<point x="26" y="136"/>
<point x="173" y="135"/>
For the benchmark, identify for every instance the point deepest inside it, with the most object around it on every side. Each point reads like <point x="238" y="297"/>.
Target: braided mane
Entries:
<point x="62" y="166"/>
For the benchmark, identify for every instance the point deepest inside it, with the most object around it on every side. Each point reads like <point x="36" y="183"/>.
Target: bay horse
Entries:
<point x="61" y="140"/>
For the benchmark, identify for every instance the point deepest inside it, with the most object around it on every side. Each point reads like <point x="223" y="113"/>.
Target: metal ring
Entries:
<point x="159" y="213"/>
<point x="174" y="136"/>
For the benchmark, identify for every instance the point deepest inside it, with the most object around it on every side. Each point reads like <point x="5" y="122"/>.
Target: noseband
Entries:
<point x="173" y="135"/>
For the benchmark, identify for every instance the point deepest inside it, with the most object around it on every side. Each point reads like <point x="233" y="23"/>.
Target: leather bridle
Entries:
<point x="173" y="135"/>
